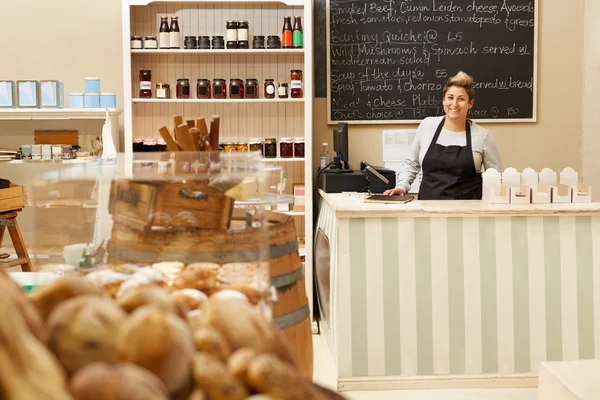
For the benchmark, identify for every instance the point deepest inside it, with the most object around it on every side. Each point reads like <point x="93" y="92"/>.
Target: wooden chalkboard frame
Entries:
<point x="416" y="121"/>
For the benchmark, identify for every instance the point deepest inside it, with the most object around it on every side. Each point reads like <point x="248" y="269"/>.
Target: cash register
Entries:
<point x="337" y="177"/>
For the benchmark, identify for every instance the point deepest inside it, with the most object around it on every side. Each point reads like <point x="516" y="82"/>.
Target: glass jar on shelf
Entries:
<point x="258" y="42"/>
<point x="190" y="43"/>
<point x="242" y="34"/>
<point x="299" y="147"/>
<point x="232" y="39"/>
<point x="145" y="83"/>
<point x="150" y="42"/>
<point x="136" y="42"/>
<point x="270" y="148"/>
<point x="286" y="147"/>
<point x="282" y="90"/>
<point x="252" y="88"/>
<point x="269" y="88"/>
<point x="273" y="42"/>
<point x="255" y="144"/>
<point x="229" y="147"/>
<point x="241" y="146"/>
<point x="219" y="88"/>
<point x="183" y="88"/>
<point x="203" y="88"/>
<point x="296" y="84"/>
<point x="163" y="91"/>
<point x="236" y="88"/>
<point x="218" y="42"/>
<point x="204" y="42"/>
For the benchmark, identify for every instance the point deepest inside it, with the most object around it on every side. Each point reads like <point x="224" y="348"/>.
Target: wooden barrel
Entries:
<point x="277" y="243"/>
<point x="291" y="312"/>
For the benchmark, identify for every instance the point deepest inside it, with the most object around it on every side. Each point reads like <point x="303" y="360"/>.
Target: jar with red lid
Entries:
<point x="286" y="147"/>
<point x="203" y="88"/>
<point x="145" y="83"/>
<point x="252" y="88"/>
<point x="269" y="88"/>
<point x="299" y="147"/>
<point x="183" y="88"/>
<point x="296" y="84"/>
<point x="236" y="88"/>
<point x="219" y="88"/>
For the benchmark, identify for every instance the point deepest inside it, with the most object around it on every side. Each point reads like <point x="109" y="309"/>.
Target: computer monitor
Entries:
<point x="340" y="144"/>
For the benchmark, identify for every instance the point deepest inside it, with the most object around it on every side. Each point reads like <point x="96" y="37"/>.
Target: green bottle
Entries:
<point x="297" y="39"/>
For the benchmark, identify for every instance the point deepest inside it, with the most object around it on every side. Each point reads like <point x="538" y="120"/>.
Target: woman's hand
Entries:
<point x="392" y="192"/>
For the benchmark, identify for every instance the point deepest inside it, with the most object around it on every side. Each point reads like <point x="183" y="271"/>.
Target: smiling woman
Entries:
<point x="450" y="150"/>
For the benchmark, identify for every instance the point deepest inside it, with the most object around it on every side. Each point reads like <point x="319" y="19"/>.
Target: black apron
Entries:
<point x="449" y="171"/>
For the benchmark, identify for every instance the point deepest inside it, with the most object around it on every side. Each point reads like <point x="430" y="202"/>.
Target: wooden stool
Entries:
<point x="9" y="220"/>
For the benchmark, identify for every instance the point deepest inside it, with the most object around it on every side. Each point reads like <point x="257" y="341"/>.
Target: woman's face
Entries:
<point x="457" y="104"/>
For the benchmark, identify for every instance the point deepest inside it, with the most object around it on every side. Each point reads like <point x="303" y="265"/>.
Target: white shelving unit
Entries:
<point x="14" y="114"/>
<point x="241" y="119"/>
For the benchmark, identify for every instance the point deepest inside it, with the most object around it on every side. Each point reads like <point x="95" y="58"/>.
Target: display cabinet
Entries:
<point x="241" y="119"/>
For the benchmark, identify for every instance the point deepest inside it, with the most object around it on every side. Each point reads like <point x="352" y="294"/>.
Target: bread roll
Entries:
<point x="191" y="298"/>
<point x="160" y="342"/>
<point x="108" y="280"/>
<point x="84" y="330"/>
<point x="25" y="306"/>
<point x="101" y="381"/>
<point x="209" y="340"/>
<point x="201" y="276"/>
<point x="150" y="295"/>
<point x="48" y="297"/>
<point x="212" y="377"/>
<point x="239" y="361"/>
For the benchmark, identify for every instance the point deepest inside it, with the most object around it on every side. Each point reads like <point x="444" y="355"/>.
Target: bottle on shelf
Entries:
<point x="297" y="36"/>
<point x="164" y="33"/>
<point x="174" y="36"/>
<point x="287" y="33"/>
<point x="324" y="155"/>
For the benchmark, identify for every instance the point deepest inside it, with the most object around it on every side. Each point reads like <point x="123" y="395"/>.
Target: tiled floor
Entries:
<point x="324" y="375"/>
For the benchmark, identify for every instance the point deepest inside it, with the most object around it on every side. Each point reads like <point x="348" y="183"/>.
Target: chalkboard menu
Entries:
<point x="388" y="60"/>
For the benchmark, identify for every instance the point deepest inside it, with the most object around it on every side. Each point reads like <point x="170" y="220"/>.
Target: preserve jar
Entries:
<point x="204" y="42"/>
<point x="150" y="42"/>
<point x="236" y="88"/>
<point x="219" y="88"/>
<point x="242" y="34"/>
<point x="286" y="147"/>
<point x="231" y="44"/>
<point x="273" y="42"/>
<point x="218" y="42"/>
<point x="190" y="42"/>
<point x="299" y="147"/>
<point x="255" y="144"/>
<point x="282" y="90"/>
<point x="269" y="88"/>
<point x="136" y="42"/>
<point x="241" y="146"/>
<point x="229" y="147"/>
<point x="231" y="27"/>
<point x="270" y="148"/>
<point x="258" y="42"/>
<point x="252" y="88"/>
<point x="163" y="91"/>
<point x="145" y="83"/>
<point x="183" y="88"/>
<point x="203" y="88"/>
<point x="296" y="84"/>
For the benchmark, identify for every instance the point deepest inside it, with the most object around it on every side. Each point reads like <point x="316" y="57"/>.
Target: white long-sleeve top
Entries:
<point x="485" y="152"/>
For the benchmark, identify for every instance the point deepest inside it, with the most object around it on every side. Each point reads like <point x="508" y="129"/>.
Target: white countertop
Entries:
<point x="351" y="205"/>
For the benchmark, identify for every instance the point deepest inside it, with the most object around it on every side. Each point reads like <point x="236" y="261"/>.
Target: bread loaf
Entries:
<point x="48" y="297"/>
<point x="83" y="330"/>
<point x="101" y="381"/>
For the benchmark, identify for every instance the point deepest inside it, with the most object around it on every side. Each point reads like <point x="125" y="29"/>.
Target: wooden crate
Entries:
<point x="144" y="204"/>
<point x="13" y="198"/>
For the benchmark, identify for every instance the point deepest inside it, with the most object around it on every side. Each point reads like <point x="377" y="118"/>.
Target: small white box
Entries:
<point x="582" y="193"/>
<point x="562" y="194"/>
<point x="541" y="194"/>
<point x="496" y="195"/>
<point x="520" y="195"/>
<point x="7" y="94"/>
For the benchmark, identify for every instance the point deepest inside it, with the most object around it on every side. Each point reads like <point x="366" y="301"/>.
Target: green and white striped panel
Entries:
<point x="437" y="296"/>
